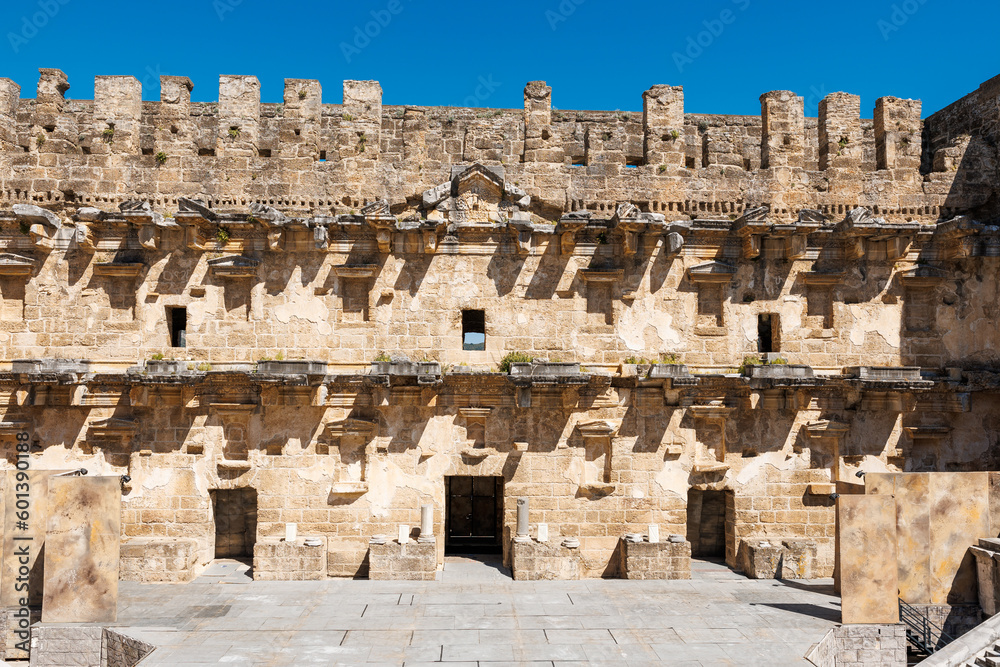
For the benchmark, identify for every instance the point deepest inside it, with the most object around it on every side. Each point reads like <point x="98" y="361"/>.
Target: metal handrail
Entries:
<point x="921" y="627"/>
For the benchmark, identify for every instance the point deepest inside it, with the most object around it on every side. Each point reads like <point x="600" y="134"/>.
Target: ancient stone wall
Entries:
<point x="236" y="274"/>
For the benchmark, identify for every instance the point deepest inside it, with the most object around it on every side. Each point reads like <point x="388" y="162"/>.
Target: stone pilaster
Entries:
<point x="782" y="130"/>
<point x="663" y="126"/>
<point x="840" y="135"/>
<point x="239" y="116"/>
<point x="303" y="111"/>
<point x="117" y="114"/>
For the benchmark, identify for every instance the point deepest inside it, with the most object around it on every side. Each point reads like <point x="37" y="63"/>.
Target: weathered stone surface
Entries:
<point x="662" y="560"/>
<point x="534" y="561"/>
<point x="588" y="237"/>
<point x="278" y="560"/>
<point x="868" y="570"/>
<point x="82" y="541"/>
<point x="411" y="561"/>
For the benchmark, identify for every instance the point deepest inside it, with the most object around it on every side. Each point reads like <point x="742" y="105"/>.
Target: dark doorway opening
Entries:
<point x="766" y="340"/>
<point x="474" y="515"/>
<point x="706" y="523"/>
<point x="235" y="513"/>
<point x="177" y="324"/>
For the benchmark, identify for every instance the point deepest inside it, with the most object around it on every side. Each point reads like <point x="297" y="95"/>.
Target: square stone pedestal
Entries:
<point x="777" y="559"/>
<point x="395" y="561"/>
<point x="662" y="560"/>
<point x="274" y="559"/>
<point x="158" y="559"/>
<point x="533" y="561"/>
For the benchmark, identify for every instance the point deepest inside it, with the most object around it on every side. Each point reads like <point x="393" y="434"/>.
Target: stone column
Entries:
<point x="10" y="92"/>
<point x="898" y="136"/>
<point x="300" y="132"/>
<point x="426" y="524"/>
<point x="522" y="521"/>
<point x="117" y="114"/>
<point x="175" y="132"/>
<point x="537" y="121"/>
<point x="782" y="130"/>
<point x="840" y="135"/>
<point x="361" y="124"/>
<point x="239" y="116"/>
<point x="663" y="126"/>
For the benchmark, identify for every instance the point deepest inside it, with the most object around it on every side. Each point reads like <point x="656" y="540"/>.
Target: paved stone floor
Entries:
<point x="476" y="615"/>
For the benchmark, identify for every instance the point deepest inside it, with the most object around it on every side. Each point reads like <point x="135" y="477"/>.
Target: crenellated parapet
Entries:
<point x="330" y="159"/>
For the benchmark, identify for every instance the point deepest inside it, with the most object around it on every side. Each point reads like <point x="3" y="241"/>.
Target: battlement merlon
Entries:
<point x="361" y="150"/>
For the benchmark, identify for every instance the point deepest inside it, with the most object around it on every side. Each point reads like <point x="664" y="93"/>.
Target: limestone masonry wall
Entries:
<point x="274" y="298"/>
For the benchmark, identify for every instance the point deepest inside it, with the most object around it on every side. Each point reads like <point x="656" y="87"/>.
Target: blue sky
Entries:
<point x="595" y="54"/>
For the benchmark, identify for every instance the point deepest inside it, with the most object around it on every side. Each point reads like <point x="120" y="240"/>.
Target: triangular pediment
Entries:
<point x="712" y="272"/>
<point x="9" y="259"/>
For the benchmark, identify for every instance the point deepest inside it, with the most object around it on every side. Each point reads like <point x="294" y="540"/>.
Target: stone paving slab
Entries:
<point x="717" y="618"/>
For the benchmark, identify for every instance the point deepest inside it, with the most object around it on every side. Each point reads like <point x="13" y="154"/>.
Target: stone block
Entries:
<point x="868" y="570"/>
<point x="897" y="133"/>
<point x="117" y="114"/>
<point x="783" y="130"/>
<point x="239" y="116"/>
<point x="82" y="550"/>
<point x="534" y="561"/>
<point x="662" y="560"/>
<point x="840" y="135"/>
<point x="663" y="125"/>
<point x="175" y="559"/>
<point x="278" y="560"/>
<point x="51" y="94"/>
<point x="63" y="645"/>
<point x="395" y="561"/>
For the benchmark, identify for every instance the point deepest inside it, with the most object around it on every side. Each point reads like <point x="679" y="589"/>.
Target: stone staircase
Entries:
<point x="980" y="647"/>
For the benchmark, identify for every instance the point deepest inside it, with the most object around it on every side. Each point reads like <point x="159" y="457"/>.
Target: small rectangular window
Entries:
<point x="767" y="333"/>
<point x="473" y="330"/>
<point x="177" y="324"/>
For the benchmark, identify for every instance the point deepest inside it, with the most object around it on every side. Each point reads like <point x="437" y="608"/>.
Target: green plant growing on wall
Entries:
<point x="346" y="116"/>
<point x="24" y="228"/>
<point x="514" y="358"/>
<point x="161" y="157"/>
<point x="280" y="356"/>
<point x="362" y="140"/>
<point x="382" y="356"/>
<point x="234" y="132"/>
<point x="670" y="358"/>
<point x="750" y="360"/>
<point x="662" y="168"/>
<point x="702" y="126"/>
<point x="302" y="94"/>
<point x="157" y="357"/>
<point x="674" y="135"/>
<point x="109" y="134"/>
<point x="204" y="367"/>
<point x="222" y="235"/>
<point x="40" y="140"/>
